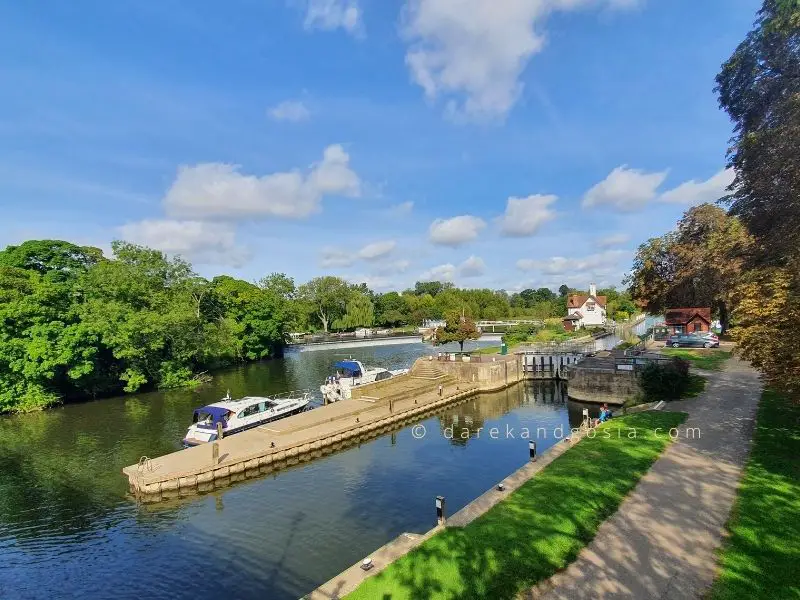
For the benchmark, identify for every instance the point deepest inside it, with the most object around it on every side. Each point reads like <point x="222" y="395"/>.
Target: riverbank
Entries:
<point x="513" y="545"/>
<point x="761" y="557"/>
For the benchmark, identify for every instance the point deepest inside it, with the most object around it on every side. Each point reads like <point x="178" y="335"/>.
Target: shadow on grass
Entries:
<point x="536" y="531"/>
<point x="762" y="556"/>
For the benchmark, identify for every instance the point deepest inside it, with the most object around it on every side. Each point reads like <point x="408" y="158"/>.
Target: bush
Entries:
<point x="665" y="381"/>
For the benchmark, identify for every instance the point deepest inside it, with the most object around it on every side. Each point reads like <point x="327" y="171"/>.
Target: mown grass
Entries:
<point x="761" y="558"/>
<point x="711" y="360"/>
<point x="538" y="529"/>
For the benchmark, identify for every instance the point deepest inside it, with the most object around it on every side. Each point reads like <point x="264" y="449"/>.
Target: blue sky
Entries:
<point x="501" y="144"/>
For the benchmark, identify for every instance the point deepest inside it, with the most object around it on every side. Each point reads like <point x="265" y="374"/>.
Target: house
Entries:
<point x="687" y="320"/>
<point x="585" y="310"/>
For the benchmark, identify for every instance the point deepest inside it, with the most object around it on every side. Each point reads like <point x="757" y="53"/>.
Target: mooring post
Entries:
<point x="532" y="449"/>
<point x="440" y="510"/>
<point x="586" y="417"/>
<point x="219" y="431"/>
<point x="214" y="453"/>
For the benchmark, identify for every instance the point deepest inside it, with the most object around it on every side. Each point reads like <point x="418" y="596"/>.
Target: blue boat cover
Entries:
<point x="348" y="365"/>
<point x="216" y="412"/>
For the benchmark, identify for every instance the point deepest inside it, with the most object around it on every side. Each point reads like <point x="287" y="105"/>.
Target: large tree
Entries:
<point x="458" y="328"/>
<point x="328" y="298"/>
<point x="695" y="265"/>
<point x="759" y="87"/>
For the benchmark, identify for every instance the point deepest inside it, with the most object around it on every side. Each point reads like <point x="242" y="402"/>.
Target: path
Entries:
<point x="661" y="543"/>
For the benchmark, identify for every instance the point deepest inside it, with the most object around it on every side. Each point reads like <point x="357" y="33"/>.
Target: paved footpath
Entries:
<point x="662" y="542"/>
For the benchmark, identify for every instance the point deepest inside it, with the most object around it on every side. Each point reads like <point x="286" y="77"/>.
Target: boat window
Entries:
<point x="383" y="375"/>
<point x="250" y="410"/>
<point x="202" y="417"/>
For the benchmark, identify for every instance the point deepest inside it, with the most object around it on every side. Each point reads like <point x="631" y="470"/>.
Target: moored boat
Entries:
<point x="242" y="414"/>
<point x="352" y="373"/>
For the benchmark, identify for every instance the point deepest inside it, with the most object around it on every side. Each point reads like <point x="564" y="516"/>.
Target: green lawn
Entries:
<point x="697" y="385"/>
<point x="762" y="556"/>
<point x="537" y="530"/>
<point x="710" y="359"/>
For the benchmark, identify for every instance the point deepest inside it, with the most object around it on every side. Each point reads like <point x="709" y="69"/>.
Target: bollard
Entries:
<point x="586" y="420"/>
<point x="214" y="453"/>
<point x="532" y="449"/>
<point x="219" y="430"/>
<point x="440" y="510"/>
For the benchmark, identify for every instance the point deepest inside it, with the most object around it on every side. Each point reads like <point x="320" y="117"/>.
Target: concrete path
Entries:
<point x="661" y="543"/>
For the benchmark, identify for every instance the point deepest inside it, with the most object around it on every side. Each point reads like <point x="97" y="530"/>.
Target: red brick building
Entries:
<point x="687" y="320"/>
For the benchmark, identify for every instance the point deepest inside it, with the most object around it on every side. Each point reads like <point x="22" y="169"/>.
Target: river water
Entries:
<point x="69" y="529"/>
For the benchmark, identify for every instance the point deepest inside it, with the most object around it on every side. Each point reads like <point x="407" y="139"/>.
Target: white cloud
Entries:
<point x="393" y="267"/>
<point x="337" y="257"/>
<point x="290" y="110"/>
<point x="445" y="272"/>
<point x="456" y="231"/>
<point x="402" y="209"/>
<point x="219" y="190"/>
<point x="474" y="51"/>
<point x="198" y="241"/>
<point x="524" y="216"/>
<point x="328" y="15"/>
<point x="472" y="267"/>
<point x="625" y="189"/>
<point x="615" y="239"/>
<point x="599" y="264"/>
<point x="694" y="192"/>
<point x="377" y="250"/>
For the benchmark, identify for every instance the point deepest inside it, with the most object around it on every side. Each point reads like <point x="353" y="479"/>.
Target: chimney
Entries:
<point x="592" y="290"/>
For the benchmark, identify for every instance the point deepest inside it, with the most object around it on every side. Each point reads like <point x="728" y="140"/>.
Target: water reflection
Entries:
<point x="67" y="528"/>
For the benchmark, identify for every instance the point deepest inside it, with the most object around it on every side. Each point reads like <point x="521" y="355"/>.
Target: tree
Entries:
<point x="459" y="328"/>
<point x="431" y="287"/>
<point x="759" y="87"/>
<point x="696" y="265"/>
<point x="56" y="257"/>
<point x="360" y="312"/>
<point x="328" y="298"/>
<point x="563" y="290"/>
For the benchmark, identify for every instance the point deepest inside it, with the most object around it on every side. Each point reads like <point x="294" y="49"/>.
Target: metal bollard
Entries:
<point x="440" y="510"/>
<point x="532" y="449"/>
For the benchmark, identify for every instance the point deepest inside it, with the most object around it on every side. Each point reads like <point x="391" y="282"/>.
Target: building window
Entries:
<point x="590" y="306"/>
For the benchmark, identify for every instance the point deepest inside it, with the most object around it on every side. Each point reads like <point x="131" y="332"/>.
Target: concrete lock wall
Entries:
<point x="488" y="376"/>
<point x="602" y="385"/>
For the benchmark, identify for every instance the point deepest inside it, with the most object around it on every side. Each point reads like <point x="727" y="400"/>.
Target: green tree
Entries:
<point x="563" y="290"/>
<point x="327" y="297"/>
<point x="459" y="328"/>
<point x="360" y="312"/>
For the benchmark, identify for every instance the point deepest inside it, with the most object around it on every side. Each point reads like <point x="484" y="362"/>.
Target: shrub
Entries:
<point x="665" y="381"/>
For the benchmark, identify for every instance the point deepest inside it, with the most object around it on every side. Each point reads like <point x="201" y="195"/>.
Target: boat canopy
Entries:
<point x="350" y="366"/>
<point x="215" y="412"/>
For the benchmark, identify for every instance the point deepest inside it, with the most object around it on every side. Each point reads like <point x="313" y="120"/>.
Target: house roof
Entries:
<point x="577" y="316"/>
<point x="680" y="316"/>
<point x="577" y="300"/>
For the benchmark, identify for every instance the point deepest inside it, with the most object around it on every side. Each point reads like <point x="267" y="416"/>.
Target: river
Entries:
<point x="69" y="529"/>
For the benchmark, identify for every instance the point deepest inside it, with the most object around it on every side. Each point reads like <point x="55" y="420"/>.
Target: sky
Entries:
<point x="504" y="144"/>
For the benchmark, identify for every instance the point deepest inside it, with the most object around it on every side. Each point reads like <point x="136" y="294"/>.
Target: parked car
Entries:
<point x="708" y="335"/>
<point x="689" y="340"/>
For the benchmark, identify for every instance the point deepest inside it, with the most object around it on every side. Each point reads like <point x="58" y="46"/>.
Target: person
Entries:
<point x="605" y="414"/>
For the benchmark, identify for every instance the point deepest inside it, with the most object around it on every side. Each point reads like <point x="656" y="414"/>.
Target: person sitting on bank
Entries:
<point x="605" y="413"/>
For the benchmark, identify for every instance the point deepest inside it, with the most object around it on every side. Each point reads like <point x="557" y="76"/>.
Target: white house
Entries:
<point x="585" y="311"/>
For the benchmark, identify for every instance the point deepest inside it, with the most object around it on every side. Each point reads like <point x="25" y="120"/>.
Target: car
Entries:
<point x="689" y="340"/>
<point x="709" y="335"/>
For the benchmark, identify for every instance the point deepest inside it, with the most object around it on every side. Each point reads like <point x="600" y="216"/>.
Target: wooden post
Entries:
<point x="214" y="453"/>
<point x="219" y="431"/>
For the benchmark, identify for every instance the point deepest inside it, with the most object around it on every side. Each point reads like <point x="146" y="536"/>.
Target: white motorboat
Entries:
<point x="242" y="414"/>
<point x="352" y="373"/>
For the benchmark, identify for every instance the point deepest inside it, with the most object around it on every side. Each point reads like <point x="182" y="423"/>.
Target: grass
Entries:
<point x="761" y="558"/>
<point x="537" y="530"/>
<point x="711" y="360"/>
<point x="697" y="385"/>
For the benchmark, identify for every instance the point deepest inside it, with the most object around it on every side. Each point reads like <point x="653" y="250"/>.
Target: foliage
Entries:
<point x="459" y="328"/>
<point x="759" y="558"/>
<point x="360" y="313"/>
<point x="538" y="529"/>
<point x="695" y="266"/>
<point x="665" y="381"/>
<point x="328" y="298"/>
<point x="74" y="324"/>
<point x="759" y="88"/>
